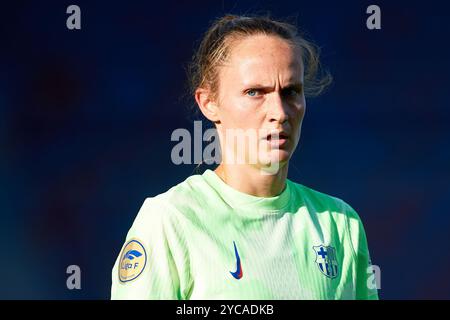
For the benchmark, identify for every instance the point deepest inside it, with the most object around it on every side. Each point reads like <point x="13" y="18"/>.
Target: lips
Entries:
<point x="277" y="135"/>
<point x="277" y="139"/>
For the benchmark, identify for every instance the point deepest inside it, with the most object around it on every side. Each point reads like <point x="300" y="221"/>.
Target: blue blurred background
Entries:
<point x="86" y="118"/>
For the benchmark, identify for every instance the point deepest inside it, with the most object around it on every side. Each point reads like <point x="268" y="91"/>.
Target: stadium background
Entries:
<point x="86" y="118"/>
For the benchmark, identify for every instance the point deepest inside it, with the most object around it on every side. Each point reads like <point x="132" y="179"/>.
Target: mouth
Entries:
<point x="280" y="135"/>
<point x="277" y="139"/>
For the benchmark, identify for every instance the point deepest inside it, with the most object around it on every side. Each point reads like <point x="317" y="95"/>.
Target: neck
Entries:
<point x="251" y="180"/>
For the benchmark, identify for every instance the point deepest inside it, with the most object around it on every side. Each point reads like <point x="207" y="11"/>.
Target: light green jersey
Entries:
<point x="202" y="239"/>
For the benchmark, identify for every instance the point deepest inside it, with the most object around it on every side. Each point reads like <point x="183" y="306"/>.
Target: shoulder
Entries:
<point x="167" y="206"/>
<point x="193" y="189"/>
<point x="321" y="202"/>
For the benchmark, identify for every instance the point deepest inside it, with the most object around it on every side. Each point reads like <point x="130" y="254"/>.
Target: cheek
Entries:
<point x="302" y="112"/>
<point x="237" y="112"/>
<point x="299" y="113"/>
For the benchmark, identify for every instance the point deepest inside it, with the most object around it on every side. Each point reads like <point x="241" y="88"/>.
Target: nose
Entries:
<point x="277" y="109"/>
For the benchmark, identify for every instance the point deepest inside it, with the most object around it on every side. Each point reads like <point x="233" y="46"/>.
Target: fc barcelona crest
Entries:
<point x="326" y="260"/>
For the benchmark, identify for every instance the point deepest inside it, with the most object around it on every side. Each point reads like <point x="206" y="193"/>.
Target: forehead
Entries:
<point x="262" y="58"/>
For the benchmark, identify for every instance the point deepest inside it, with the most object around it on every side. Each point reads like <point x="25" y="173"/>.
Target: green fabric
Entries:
<point x="188" y="235"/>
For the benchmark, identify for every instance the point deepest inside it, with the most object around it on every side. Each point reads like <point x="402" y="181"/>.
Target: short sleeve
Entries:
<point x="365" y="278"/>
<point x="152" y="264"/>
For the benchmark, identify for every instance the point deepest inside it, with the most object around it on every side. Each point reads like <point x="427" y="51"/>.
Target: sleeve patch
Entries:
<point x="133" y="260"/>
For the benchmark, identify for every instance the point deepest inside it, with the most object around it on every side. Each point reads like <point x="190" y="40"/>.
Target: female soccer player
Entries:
<point x="245" y="231"/>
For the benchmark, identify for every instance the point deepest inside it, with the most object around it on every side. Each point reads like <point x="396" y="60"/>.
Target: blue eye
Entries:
<point x="252" y="92"/>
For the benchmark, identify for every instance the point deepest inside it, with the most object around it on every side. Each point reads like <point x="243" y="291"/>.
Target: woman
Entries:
<point x="245" y="231"/>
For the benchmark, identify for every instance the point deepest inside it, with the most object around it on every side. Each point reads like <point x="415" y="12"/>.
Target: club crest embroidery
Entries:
<point x="326" y="260"/>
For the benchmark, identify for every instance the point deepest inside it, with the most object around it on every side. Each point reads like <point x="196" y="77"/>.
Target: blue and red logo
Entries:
<point x="238" y="273"/>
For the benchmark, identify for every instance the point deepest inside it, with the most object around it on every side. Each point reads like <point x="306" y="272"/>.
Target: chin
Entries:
<point x="279" y="156"/>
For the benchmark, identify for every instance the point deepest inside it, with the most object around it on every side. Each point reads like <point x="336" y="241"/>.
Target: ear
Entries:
<point x="208" y="107"/>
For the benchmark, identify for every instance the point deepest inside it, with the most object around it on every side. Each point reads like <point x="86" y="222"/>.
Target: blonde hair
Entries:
<point x="217" y="41"/>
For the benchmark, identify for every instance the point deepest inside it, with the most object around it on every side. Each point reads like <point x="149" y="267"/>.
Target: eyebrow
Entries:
<point x="296" y="85"/>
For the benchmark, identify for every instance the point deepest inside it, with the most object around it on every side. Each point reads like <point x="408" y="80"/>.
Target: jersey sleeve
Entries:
<point x="366" y="287"/>
<point x="152" y="264"/>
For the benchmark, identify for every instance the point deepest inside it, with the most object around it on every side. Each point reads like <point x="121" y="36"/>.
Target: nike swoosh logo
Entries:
<point x="238" y="273"/>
